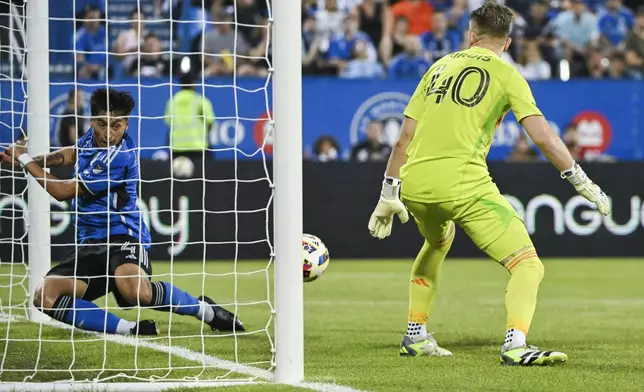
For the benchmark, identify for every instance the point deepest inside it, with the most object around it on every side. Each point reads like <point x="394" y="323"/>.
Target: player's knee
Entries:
<point x="37" y="300"/>
<point x="45" y="296"/>
<point x="135" y="291"/>
<point x="532" y="265"/>
<point x="446" y="241"/>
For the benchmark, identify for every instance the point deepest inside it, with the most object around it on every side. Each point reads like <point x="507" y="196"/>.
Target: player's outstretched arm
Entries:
<point x="548" y="142"/>
<point x="557" y="153"/>
<point x="58" y="189"/>
<point x="389" y="204"/>
<point x="63" y="157"/>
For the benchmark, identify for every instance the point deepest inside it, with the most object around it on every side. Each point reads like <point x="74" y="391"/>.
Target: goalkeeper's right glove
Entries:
<point x="588" y="189"/>
<point x="389" y="205"/>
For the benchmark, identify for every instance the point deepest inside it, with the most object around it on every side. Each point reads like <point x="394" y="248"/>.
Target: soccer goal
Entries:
<point x="228" y="227"/>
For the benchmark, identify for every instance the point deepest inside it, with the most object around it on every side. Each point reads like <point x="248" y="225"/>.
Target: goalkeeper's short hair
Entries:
<point x="491" y="19"/>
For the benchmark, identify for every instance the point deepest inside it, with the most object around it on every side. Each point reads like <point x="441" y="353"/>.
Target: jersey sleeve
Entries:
<point x="416" y="105"/>
<point x="520" y="96"/>
<point x="106" y="171"/>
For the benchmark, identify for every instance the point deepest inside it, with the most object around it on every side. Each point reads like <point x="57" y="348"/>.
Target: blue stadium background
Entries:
<point x="346" y="44"/>
<point x="610" y="110"/>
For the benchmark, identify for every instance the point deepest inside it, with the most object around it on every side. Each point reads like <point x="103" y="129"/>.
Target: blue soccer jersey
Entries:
<point x="110" y="177"/>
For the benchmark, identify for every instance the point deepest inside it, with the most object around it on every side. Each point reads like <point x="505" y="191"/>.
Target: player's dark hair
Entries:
<point x="491" y="20"/>
<point x="120" y="103"/>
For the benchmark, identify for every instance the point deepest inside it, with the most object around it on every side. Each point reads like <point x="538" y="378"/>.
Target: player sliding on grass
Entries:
<point x="113" y="238"/>
<point x="439" y="162"/>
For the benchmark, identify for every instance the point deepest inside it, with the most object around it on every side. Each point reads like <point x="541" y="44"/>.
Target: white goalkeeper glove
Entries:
<point x="588" y="189"/>
<point x="389" y="205"/>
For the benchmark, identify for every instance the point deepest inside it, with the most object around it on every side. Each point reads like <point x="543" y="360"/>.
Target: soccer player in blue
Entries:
<point x="114" y="241"/>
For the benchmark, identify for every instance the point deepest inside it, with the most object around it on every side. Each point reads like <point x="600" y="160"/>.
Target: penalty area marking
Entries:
<point x="182" y="352"/>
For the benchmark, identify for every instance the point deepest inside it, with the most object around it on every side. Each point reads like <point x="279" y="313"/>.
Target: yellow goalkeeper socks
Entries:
<point x="424" y="278"/>
<point x="522" y="289"/>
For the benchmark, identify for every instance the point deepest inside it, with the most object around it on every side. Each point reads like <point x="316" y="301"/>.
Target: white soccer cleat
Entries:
<point x="426" y="347"/>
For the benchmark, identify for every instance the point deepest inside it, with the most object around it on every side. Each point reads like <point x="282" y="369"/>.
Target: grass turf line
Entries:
<point x="355" y="316"/>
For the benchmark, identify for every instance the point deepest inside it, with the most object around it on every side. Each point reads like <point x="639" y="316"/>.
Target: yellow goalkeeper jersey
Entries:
<point x="458" y="105"/>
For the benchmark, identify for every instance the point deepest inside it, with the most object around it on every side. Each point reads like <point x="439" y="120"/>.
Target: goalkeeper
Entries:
<point x="438" y="167"/>
<point x="113" y="238"/>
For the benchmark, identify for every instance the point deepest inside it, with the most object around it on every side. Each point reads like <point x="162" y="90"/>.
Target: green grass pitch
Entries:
<point x="355" y="316"/>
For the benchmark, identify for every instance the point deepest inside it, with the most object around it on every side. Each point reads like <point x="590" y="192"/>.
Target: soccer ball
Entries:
<point x="182" y="167"/>
<point x="316" y="257"/>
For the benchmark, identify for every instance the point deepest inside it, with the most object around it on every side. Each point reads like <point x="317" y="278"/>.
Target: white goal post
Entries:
<point x="285" y="323"/>
<point x="37" y="56"/>
<point x="287" y="100"/>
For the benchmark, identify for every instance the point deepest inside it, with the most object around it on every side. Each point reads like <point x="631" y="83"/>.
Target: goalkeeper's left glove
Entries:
<point x="588" y="189"/>
<point x="389" y="205"/>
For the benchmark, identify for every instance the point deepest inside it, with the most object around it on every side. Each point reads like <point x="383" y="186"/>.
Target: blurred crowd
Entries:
<point x="563" y="39"/>
<point x="367" y="38"/>
<point x="372" y="148"/>
<point x="525" y="151"/>
<point x="402" y="38"/>
<point x="218" y="35"/>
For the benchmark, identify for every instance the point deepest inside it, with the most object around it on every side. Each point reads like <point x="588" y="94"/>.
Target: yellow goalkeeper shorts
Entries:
<point x="488" y="219"/>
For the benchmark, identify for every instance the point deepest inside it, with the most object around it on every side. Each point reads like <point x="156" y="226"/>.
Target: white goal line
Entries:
<point x="115" y="387"/>
<point x="182" y="352"/>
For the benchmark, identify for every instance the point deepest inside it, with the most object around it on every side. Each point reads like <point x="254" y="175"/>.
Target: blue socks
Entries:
<point x="86" y="315"/>
<point x="166" y="297"/>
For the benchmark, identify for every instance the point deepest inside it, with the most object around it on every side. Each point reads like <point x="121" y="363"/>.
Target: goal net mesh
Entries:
<point x="209" y="222"/>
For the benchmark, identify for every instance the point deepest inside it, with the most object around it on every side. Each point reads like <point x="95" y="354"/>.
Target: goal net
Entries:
<point x="210" y="211"/>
